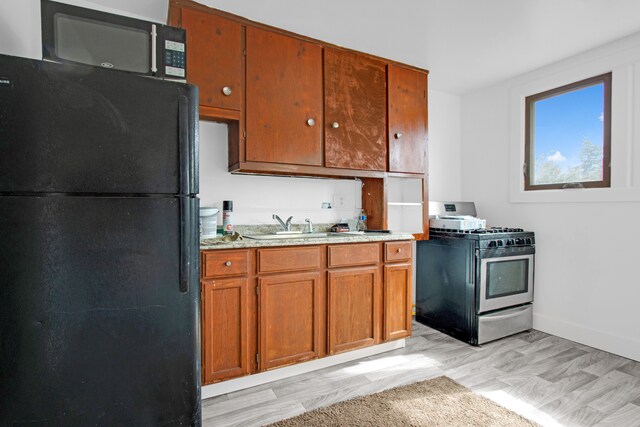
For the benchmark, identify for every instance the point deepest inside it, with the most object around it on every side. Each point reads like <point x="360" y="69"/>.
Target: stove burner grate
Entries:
<point x="499" y="230"/>
<point x="491" y="230"/>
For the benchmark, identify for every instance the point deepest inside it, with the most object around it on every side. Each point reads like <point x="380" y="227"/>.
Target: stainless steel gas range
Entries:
<point x="474" y="283"/>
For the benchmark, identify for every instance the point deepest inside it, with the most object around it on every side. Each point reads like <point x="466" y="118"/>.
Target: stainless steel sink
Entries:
<point x="278" y="236"/>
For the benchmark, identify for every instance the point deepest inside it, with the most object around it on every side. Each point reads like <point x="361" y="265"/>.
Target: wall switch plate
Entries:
<point x="339" y="201"/>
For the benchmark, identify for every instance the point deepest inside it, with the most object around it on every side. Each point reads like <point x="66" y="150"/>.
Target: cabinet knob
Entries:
<point x="311" y="122"/>
<point x="399" y="250"/>
<point x="226" y="90"/>
<point x="397" y="135"/>
<point x="335" y="125"/>
<point x="228" y="263"/>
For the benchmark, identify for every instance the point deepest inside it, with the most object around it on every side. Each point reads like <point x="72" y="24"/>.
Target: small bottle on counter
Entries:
<point x="227" y="211"/>
<point x="362" y="220"/>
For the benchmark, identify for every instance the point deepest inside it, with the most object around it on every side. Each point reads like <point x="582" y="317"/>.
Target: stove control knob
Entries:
<point x="510" y="242"/>
<point x="527" y="240"/>
<point x="499" y="242"/>
<point x="492" y="244"/>
<point x="519" y="241"/>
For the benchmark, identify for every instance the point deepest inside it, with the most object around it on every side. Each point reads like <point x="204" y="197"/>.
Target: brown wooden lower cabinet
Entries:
<point x="397" y="301"/>
<point x="354" y="314"/>
<point x="321" y="299"/>
<point x="290" y="306"/>
<point x="225" y="320"/>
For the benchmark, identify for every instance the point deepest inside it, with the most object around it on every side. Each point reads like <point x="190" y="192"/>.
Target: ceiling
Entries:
<point x="466" y="44"/>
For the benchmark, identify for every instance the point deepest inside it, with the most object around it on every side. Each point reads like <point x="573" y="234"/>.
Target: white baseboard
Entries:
<point x="621" y="346"/>
<point x="301" y="368"/>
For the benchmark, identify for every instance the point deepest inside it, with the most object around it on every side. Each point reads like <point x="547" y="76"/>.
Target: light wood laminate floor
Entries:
<point x="550" y="380"/>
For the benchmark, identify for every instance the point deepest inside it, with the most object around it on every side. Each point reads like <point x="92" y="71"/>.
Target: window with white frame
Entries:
<point x="568" y="136"/>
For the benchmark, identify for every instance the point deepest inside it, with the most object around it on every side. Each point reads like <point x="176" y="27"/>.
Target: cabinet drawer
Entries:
<point x="224" y="263"/>
<point x="358" y="254"/>
<point x="289" y="259"/>
<point x="397" y="251"/>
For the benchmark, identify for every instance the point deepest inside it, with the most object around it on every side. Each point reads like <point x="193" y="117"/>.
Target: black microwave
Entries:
<point x="86" y="36"/>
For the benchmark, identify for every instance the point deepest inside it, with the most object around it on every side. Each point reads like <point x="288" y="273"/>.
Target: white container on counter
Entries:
<point x="208" y="223"/>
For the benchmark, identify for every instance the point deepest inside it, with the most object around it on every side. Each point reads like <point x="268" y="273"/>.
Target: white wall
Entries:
<point x="445" y="115"/>
<point x="20" y="28"/>
<point x="587" y="287"/>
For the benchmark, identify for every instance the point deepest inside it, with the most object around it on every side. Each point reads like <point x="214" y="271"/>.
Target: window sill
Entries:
<point x="575" y="195"/>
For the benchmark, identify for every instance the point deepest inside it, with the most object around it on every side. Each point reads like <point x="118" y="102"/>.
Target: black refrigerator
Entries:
<point x="99" y="287"/>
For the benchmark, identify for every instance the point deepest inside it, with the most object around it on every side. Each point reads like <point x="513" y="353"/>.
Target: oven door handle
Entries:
<point x="504" y="253"/>
<point x="512" y="313"/>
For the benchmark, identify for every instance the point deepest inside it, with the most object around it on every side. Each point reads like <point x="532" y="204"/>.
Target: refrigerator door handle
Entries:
<point x="154" y="38"/>
<point x="184" y="141"/>
<point x="185" y="243"/>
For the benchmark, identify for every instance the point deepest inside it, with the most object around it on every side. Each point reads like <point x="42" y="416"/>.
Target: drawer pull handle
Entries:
<point x="311" y="122"/>
<point x="397" y="135"/>
<point x="226" y="90"/>
<point x="228" y="263"/>
<point x="399" y="250"/>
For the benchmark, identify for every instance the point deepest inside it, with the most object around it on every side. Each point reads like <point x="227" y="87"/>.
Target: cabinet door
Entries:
<point x="354" y="313"/>
<point x="355" y="111"/>
<point x="289" y="318"/>
<point x="397" y="301"/>
<point x="407" y="120"/>
<point x="225" y="319"/>
<point x="284" y="99"/>
<point x="214" y="58"/>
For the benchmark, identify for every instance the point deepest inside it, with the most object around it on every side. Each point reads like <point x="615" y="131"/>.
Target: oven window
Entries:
<point x="507" y="278"/>
<point x="102" y="44"/>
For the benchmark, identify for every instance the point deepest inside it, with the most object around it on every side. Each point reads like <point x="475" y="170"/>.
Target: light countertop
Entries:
<point x="209" y="244"/>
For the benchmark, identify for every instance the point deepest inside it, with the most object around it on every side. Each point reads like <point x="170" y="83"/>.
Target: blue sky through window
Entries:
<point x="564" y="121"/>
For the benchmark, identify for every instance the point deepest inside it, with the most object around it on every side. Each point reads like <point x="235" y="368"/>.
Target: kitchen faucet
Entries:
<point x="285" y="226"/>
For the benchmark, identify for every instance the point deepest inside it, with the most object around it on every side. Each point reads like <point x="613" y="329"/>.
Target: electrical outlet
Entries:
<point x="339" y="201"/>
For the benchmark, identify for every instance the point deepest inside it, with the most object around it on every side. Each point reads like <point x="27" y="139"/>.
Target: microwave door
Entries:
<point x="92" y="37"/>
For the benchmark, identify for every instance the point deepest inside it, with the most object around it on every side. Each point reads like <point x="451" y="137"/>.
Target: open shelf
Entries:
<point x="404" y="204"/>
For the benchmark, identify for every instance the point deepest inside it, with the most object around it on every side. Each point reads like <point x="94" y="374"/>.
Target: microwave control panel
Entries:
<point x="175" y="62"/>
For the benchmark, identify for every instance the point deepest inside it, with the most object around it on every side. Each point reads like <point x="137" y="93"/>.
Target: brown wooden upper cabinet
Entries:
<point x="214" y="58"/>
<point x="355" y="103"/>
<point x="284" y="99"/>
<point x="297" y="106"/>
<point x="407" y="119"/>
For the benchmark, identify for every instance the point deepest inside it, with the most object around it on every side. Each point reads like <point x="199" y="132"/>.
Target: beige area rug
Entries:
<point x="436" y="402"/>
